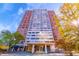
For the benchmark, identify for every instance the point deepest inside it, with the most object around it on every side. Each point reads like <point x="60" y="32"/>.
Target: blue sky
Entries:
<point x="11" y="13"/>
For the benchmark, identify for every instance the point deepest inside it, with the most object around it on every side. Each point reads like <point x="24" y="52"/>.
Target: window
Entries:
<point x="33" y="35"/>
<point x="27" y="38"/>
<point x="37" y="32"/>
<point x="33" y="32"/>
<point x="33" y="38"/>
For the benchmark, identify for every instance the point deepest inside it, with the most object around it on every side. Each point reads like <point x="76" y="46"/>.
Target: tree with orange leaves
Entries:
<point x="69" y="14"/>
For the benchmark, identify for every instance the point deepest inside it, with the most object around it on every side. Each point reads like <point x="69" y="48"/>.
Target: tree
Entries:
<point x="10" y="39"/>
<point x="69" y="18"/>
<point x="59" y="27"/>
<point x="5" y="38"/>
<point x="66" y="45"/>
<point x="70" y="11"/>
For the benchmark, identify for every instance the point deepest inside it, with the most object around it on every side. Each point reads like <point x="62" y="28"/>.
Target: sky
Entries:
<point x="11" y="14"/>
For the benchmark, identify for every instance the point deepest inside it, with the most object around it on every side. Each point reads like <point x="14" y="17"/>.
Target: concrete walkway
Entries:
<point x="30" y="54"/>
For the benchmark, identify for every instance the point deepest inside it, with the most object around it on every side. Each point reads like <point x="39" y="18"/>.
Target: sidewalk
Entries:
<point x="30" y="54"/>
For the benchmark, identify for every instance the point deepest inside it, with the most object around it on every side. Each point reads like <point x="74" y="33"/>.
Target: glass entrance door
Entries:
<point x="39" y="49"/>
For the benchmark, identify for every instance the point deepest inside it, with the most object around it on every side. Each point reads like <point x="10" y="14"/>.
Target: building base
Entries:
<point x="40" y="48"/>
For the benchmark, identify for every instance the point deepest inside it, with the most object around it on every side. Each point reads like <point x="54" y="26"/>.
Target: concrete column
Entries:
<point x="52" y="47"/>
<point x="45" y="48"/>
<point x="33" y="48"/>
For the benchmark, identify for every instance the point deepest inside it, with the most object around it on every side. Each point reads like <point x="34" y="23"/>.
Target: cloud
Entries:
<point x="4" y="27"/>
<point x="11" y="24"/>
<point x="20" y="11"/>
<point x="11" y="27"/>
<point x="6" y="7"/>
<point x="16" y="19"/>
<point x="13" y="20"/>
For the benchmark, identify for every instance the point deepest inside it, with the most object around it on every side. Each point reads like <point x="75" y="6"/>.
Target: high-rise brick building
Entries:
<point x="39" y="29"/>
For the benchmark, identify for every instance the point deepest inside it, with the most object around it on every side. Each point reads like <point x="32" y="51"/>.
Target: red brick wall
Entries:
<point x="23" y="27"/>
<point x="55" y="30"/>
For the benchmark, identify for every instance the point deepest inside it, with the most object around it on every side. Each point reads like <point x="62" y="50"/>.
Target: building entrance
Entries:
<point x="39" y="49"/>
